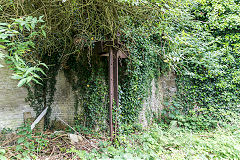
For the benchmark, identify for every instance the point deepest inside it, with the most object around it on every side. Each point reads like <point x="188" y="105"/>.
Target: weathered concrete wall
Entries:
<point x="162" y="89"/>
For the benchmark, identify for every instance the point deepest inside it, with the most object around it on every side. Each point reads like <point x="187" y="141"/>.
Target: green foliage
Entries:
<point x="172" y="116"/>
<point x="23" y="145"/>
<point x="20" y="38"/>
<point x="91" y="90"/>
<point x="157" y="143"/>
<point x="27" y="145"/>
<point x="17" y="38"/>
<point x="89" y="78"/>
<point x="205" y="55"/>
<point x="144" y="64"/>
<point x="41" y="95"/>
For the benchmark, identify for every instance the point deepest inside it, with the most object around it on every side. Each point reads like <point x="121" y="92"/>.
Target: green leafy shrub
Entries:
<point x="17" y="39"/>
<point x="157" y="143"/>
<point x="204" y="53"/>
<point x="28" y="146"/>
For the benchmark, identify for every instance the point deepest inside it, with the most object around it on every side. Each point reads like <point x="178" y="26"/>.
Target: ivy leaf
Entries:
<point x="28" y="27"/>
<point x="44" y="33"/>
<point x="19" y="148"/>
<point x="20" y="140"/>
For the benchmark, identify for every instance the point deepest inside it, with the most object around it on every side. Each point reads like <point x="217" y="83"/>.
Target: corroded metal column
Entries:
<point x="115" y="86"/>
<point x="111" y="91"/>
<point x="112" y="51"/>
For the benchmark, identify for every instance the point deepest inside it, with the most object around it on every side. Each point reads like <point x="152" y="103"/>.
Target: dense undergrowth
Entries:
<point x="174" y="143"/>
<point x="154" y="143"/>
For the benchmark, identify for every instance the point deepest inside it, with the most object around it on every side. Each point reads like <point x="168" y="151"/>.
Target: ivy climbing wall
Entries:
<point x="162" y="90"/>
<point x="13" y="105"/>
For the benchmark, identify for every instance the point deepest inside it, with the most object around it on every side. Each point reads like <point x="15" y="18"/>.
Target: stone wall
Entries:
<point x="63" y="106"/>
<point x="12" y="101"/>
<point x="13" y="105"/>
<point x="162" y="89"/>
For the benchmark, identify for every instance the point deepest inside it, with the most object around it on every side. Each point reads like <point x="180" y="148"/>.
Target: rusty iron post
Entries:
<point x="106" y="48"/>
<point x="111" y="91"/>
<point x="115" y="85"/>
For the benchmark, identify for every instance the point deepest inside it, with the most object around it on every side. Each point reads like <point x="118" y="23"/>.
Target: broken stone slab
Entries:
<point x="28" y="119"/>
<point x="75" y="138"/>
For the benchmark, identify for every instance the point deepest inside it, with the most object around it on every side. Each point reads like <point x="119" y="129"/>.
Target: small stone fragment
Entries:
<point x="80" y="138"/>
<point x="75" y="138"/>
